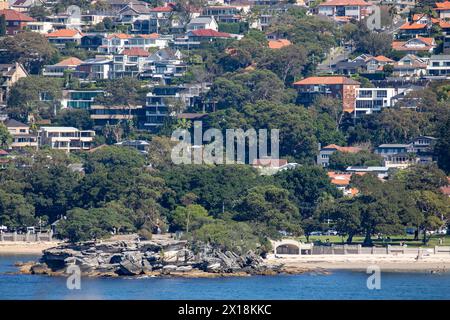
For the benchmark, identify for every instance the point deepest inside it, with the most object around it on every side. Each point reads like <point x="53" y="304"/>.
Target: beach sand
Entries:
<point x="386" y="262"/>
<point x="21" y="247"/>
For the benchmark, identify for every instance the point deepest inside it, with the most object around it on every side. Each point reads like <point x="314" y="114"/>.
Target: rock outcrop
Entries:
<point x="157" y="257"/>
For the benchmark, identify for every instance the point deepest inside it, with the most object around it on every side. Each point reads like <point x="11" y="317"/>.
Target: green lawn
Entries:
<point x="395" y="240"/>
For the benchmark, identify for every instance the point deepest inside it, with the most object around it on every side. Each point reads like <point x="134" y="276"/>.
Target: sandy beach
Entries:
<point x="391" y="262"/>
<point x="16" y="247"/>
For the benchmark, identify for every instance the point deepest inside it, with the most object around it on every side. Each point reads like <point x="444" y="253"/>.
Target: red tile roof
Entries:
<point x="64" y="33"/>
<point x="3" y="153"/>
<point x="326" y="80"/>
<point x="343" y="149"/>
<point x="443" y="5"/>
<point x="345" y="3"/>
<point x="119" y="35"/>
<point x="383" y="59"/>
<point x="72" y="61"/>
<point x="400" y="45"/>
<point x="13" y="15"/>
<point x="136" y="52"/>
<point x="413" y="26"/>
<point x="210" y="33"/>
<point x="278" y="44"/>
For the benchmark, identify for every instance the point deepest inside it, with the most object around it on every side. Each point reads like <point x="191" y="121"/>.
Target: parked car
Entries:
<point x="316" y="233"/>
<point x="331" y="233"/>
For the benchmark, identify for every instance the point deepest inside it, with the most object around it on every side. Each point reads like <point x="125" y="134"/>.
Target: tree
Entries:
<point x="34" y="95"/>
<point x="190" y="218"/>
<point x="15" y="211"/>
<point x="342" y="160"/>
<point x="5" y="136"/>
<point x="270" y="208"/>
<point x="442" y="148"/>
<point x="307" y="184"/>
<point x="29" y="48"/>
<point x="123" y="92"/>
<point x="423" y="177"/>
<point x="78" y="118"/>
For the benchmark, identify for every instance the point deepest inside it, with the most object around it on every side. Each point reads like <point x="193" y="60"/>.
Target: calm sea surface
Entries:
<point x="338" y="285"/>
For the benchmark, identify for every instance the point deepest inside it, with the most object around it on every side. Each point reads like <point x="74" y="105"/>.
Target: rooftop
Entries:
<point x="13" y="15"/>
<point x="343" y="149"/>
<point x="344" y="3"/>
<point x="278" y="44"/>
<point x="64" y="33"/>
<point x="326" y="80"/>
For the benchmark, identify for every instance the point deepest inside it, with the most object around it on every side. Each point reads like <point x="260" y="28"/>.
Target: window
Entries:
<point x="365" y="94"/>
<point x="382" y="94"/>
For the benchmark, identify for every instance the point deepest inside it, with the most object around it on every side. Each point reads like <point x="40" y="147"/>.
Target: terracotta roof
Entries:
<point x="3" y="152"/>
<point x="446" y="190"/>
<point x="344" y="3"/>
<point x="444" y="24"/>
<point x="119" y="35"/>
<point x="137" y="52"/>
<point x="13" y="15"/>
<point x="209" y="33"/>
<point x="326" y="80"/>
<point x="443" y="5"/>
<point x="400" y="45"/>
<point x="413" y="26"/>
<point x="341" y="179"/>
<point x="343" y="149"/>
<point x="149" y="36"/>
<point x="63" y="33"/>
<point x="72" y="61"/>
<point x="278" y="44"/>
<point x="383" y="59"/>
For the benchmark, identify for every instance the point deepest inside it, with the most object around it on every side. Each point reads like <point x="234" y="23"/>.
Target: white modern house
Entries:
<point x="439" y="65"/>
<point x="369" y="100"/>
<point x="66" y="138"/>
<point x="202" y="23"/>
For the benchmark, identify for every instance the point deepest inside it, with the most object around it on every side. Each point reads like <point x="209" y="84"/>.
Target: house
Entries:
<point x="103" y="115"/>
<point x="162" y="99"/>
<point x="132" y="12"/>
<point x="369" y="100"/>
<point x="9" y="75"/>
<point x="423" y="147"/>
<point x="114" y="43"/>
<point x="278" y="43"/>
<point x="342" y="182"/>
<point x="323" y="159"/>
<point x="338" y="87"/>
<point x="414" y="29"/>
<point x="15" y="21"/>
<point x="380" y="172"/>
<point x="387" y="149"/>
<point x="439" y="66"/>
<point x="118" y="5"/>
<point x="410" y="66"/>
<point x="42" y="27"/>
<point x="443" y="9"/>
<point x="140" y="145"/>
<point x="58" y="70"/>
<point x="206" y="35"/>
<point x="352" y="9"/>
<point x="23" y="5"/>
<point x="376" y="64"/>
<point x="164" y="65"/>
<point x="200" y="23"/>
<point x="97" y="68"/>
<point x="79" y="99"/>
<point x="64" y="36"/>
<point x="350" y="67"/>
<point x="222" y="14"/>
<point x="129" y="63"/>
<point x="66" y="138"/>
<point x="91" y="42"/>
<point x="418" y="44"/>
<point x="20" y="132"/>
<point x="65" y="20"/>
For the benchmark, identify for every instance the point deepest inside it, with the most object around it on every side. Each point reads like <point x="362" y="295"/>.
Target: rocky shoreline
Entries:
<point x="175" y="258"/>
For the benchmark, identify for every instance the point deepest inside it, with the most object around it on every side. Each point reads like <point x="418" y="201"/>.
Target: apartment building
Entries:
<point x="66" y="138"/>
<point x="439" y="66"/>
<point x="352" y="9"/>
<point x="369" y="100"/>
<point x="9" y="75"/>
<point x="338" y="87"/>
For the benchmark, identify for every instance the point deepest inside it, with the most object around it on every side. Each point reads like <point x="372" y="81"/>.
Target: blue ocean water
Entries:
<point x="337" y="285"/>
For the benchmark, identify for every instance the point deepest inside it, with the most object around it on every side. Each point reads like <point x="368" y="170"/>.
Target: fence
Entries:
<point x="358" y="249"/>
<point x="26" y="237"/>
